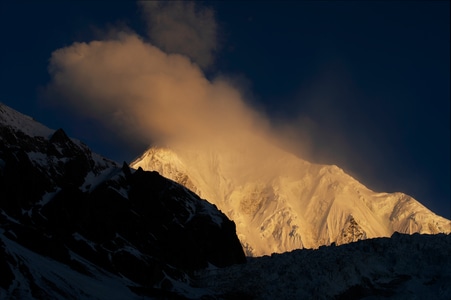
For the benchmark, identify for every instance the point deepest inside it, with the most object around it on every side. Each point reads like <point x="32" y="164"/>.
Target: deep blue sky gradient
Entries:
<point x="372" y="78"/>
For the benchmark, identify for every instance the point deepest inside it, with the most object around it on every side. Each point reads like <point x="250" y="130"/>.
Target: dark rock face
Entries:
<point x="58" y="200"/>
<point x="351" y="232"/>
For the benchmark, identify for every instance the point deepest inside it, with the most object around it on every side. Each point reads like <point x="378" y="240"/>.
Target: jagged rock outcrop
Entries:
<point x="351" y="232"/>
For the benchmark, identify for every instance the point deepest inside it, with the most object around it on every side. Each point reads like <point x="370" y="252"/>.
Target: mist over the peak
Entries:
<point x="153" y="90"/>
<point x="152" y="95"/>
<point x="162" y="98"/>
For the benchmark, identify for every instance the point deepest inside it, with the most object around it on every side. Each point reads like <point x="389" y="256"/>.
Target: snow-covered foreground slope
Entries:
<point x="280" y="202"/>
<point x="402" y="267"/>
<point x="40" y="276"/>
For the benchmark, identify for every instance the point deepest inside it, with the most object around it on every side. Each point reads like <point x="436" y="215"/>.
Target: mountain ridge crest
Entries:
<point x="302" y="205"/>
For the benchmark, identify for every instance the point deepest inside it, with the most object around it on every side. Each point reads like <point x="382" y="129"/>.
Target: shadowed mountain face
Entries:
<point x="130" y="232"/>
<point x="400" y="267"/>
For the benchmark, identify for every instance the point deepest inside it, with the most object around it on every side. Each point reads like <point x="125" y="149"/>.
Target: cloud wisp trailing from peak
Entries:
<point x="182" y="27"/>
<point x="157" y="97"/>
<point x="128" y="83"/>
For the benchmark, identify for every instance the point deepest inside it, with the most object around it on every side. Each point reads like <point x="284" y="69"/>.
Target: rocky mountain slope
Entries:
<point x="75" y="225"/>
<point x="401" y="267"/>
<point x="280" y="202"/>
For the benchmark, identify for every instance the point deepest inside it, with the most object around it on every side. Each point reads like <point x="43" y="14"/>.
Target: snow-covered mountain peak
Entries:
<point x="24" y="123"/>
<point x="162" y="154"/>
<point x="280" y="202"/>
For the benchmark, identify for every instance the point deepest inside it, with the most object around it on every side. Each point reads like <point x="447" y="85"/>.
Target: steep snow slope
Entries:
<point x="280" y="202"/>
<point x="40" y="276"/>
<point x="17" y="120"/>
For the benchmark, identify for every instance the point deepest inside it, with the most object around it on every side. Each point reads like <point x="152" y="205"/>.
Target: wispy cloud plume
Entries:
<point x="149" y="94"/>
<point x="154" y="91"/>
<point x="131" y="84"/>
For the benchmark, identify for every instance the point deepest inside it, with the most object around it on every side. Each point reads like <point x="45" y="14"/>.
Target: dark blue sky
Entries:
<point x="368" y="79"/>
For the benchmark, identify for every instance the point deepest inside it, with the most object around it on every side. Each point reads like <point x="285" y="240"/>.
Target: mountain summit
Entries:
<point x="282" y="202"/>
